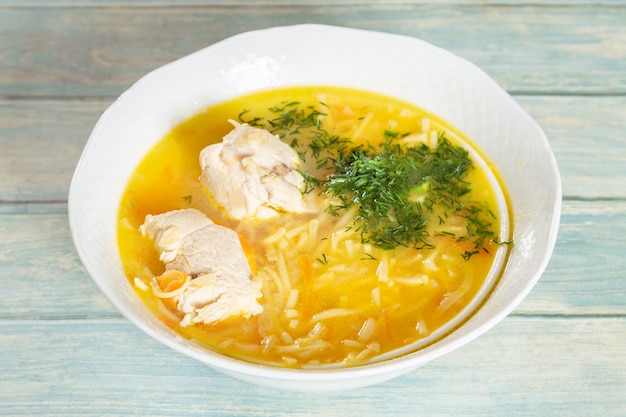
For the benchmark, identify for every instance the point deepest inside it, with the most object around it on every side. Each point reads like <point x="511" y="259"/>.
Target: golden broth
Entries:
<point x="329" y="299"/>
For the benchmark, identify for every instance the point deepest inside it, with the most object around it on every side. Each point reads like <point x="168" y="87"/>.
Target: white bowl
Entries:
<point x="399" y="66"/>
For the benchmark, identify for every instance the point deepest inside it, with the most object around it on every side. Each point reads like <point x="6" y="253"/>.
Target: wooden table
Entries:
<point x="64" y="350"/>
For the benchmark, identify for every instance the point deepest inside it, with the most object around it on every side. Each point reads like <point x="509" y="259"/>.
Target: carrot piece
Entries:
<point x="171" y="280"/>
<point x="249" y="252"/>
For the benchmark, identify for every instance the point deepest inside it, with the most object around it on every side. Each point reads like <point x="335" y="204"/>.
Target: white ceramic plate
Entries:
<point x="399" y="66"/>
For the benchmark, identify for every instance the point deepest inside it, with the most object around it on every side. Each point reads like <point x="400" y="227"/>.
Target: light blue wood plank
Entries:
<point x="64" y="350"/>
<point x="41" y="142"/>
<point x="101" y="51"/>
<point x="525" y="366"/>
<point x="40" y="270"/>
<point x="43" y="277"/>
<point x="586" y="272"/>
<point x="587" y="137"/>
<point x="248" y="3"/>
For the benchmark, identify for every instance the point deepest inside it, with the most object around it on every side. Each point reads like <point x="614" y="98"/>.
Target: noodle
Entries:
<point x="421" y="279"/>
<point x="367" y="330"/>
<point x="331" y="313"/>
<point x="292" y="299"/>
<point x="270" y="240"/>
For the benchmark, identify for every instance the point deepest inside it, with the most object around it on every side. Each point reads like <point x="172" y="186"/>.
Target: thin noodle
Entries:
<point x="295" y="231"/>
<point x="350" y="247"/>
<point x="269" y="342"/>
<point x="421" y="328"/>
<point x="292" y="299"/>
<point x="126" y="223"/>
<point x="317" y="330"/>
<point x="361" y="126"/>
<point x="286" y="338"/>
<point x="363" y="354"/>
<point x="297" y="348"/>
<point x="303" y="241"/>
<point x="283" y="271"/>
<point x="271" y="239"/>
<point x="429" y="263"/>
<point x="367" y="330"/>
<point x="140" y="284"/>
<point x="345" y="219"/>
<point x="454" y="297"/>
<point x="382" y="272"/>
<point x="331" y="313"/>
<point x="352" y="343"/>
<point x="273" y="277"/>
<point x="291" y="313"/>
<point x="433" y="138"/>
<point x="288" y="361"/>
<point x="376" y="295"/>
<point x="421" y="279"/>
<point x="246" y="347"/>
<point x="313" y="228"/>
<point x="415" y="139"/>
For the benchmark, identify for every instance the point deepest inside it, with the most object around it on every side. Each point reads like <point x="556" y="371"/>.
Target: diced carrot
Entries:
<point x="170" y="281"/>
<point x="249" y="252"/>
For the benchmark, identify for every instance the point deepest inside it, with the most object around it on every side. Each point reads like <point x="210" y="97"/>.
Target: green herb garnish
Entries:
<point x="397" y="189"/>
<point x="293" y="122"/>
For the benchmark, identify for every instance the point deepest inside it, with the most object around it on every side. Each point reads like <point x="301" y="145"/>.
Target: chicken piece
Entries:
<point x="210" y="298"/>
<point x="253" y="174"/>
<point x="168" y="230"/>
<point x="213" y="248"/>
<point x="212" y="255"/>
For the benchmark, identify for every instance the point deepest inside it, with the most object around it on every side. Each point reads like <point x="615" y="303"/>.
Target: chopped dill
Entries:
<point x="467" y="254"/>
<point x="395" y="188"/>
<point x="323" y="260"/>
<point x="368" y="257"/>
<point x="292" y="121"/>
<point x="187" y="198"/>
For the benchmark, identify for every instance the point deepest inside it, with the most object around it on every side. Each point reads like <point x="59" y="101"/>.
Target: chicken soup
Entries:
<point x="312" y="227"/>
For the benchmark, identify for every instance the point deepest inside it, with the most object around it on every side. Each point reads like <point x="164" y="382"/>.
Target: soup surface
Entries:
<point x="381" y="263"/>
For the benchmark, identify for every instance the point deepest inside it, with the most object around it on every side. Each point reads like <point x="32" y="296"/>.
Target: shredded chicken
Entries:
<point x="253" y="174"/>
<point x="222" y="284"/>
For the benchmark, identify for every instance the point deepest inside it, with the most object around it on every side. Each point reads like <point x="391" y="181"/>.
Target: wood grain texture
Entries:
<point x="41" y="143"/>
<point x="585" y="275"/>
<point x="41" y="273"/>
<point x="64" y="349"/>
<point x="101" y="51"/>
<point x="525" y="366"/>
<point x="586" y="134"/>
<point x="248" y="3"/>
